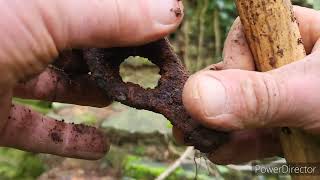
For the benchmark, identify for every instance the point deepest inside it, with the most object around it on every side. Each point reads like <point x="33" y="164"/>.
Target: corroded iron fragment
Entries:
<point x="165" y="99"/>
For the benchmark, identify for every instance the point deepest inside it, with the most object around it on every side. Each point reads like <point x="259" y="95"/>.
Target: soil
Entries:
<point x="177" y="11"/>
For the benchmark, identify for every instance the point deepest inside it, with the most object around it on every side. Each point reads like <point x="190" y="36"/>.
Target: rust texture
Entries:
<point x="165" y="99"/>
<point x="72" y="62"/>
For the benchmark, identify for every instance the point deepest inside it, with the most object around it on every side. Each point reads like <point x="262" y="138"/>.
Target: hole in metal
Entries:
<point x="141" y="71"/>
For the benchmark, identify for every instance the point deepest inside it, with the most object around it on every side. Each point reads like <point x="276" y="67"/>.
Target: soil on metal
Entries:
<point x="166" y="99"/>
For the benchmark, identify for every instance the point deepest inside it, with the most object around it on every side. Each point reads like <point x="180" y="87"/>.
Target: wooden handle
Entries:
<point x="273" y="35"/>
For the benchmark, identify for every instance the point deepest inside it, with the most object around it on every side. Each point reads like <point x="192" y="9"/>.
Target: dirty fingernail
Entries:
<point x="212" y="95"/>
<point x="166" y="12"/>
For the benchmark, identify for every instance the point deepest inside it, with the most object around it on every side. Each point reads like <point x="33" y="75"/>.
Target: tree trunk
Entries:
<point x="217" y="33"/>
<point x="186" y="43"/>
<point x="274" y="38"/>
<point x="202" y="27"/>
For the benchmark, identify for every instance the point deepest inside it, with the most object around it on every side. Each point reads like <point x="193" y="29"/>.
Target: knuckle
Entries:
<point x="26" y="47"/>
<point x="260" y="100"/>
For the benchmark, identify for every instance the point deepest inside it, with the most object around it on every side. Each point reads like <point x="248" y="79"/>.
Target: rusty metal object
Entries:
<point x="166" y="99"/>
<point x="71" y="62"/>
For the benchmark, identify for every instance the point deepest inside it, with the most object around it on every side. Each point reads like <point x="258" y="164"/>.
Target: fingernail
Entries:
<point x="212" y="95"/>
<point x="166" y="12"/>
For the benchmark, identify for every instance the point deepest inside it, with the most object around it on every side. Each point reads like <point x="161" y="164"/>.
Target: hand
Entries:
<point x="249" y="104"/>
<point x="32" y="35"/>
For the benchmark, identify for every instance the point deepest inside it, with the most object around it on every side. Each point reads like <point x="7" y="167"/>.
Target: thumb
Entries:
<point x="34" y="32"/>
<point x="236" y="99"/>
<point x="106" y="23"/>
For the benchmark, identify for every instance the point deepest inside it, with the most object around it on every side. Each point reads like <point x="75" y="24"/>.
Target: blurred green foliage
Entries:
<point x="87" y="118"/>
<point x="316" y="4"/>
<point x="39" y="106"/>
<point x="135" y="69"/>
<point x="19" y="165"/>
<point x="142" y="169"/>
<point x="199" y="41"/>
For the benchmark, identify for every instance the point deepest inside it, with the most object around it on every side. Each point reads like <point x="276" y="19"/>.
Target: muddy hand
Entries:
<point x="251" y="104"/>
<point x="32" y="35"/>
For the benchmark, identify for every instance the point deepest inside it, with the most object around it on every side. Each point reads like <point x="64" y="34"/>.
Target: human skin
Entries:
<point x="34" y="32"/>
<point x="226" y="99"/>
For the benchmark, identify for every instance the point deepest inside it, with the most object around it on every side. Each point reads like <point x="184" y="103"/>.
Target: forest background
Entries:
<point x="142" y="143"/>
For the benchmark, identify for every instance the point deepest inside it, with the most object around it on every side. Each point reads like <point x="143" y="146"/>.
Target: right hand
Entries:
<point x="250" y="104"/>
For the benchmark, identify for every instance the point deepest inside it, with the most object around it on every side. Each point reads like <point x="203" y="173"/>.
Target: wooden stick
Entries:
<point x="273" y="35"/>
<point x="176" y="164"/>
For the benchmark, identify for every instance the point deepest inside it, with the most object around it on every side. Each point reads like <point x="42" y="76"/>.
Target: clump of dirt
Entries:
<point x="165" y="99"/>
<point x="56" y="133"/>
<point x="176" y="11"/>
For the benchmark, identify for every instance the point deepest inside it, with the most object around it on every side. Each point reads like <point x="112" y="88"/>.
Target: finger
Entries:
<point x="308" y="20"/>
<point x="251" y="144"/>
<point x="34" y="32"/>
<point x="30" y="131"/>
<point x="316" y="47"/>
<point x="110" y="23"/>
<point x="5" y="104"/>
<point x="237" y="54"/>
<point x="55" y="86"/>
<point x="236" y="100"/>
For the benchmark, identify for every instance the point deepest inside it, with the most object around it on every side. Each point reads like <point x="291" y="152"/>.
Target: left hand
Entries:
<point x="33" y="33"/>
